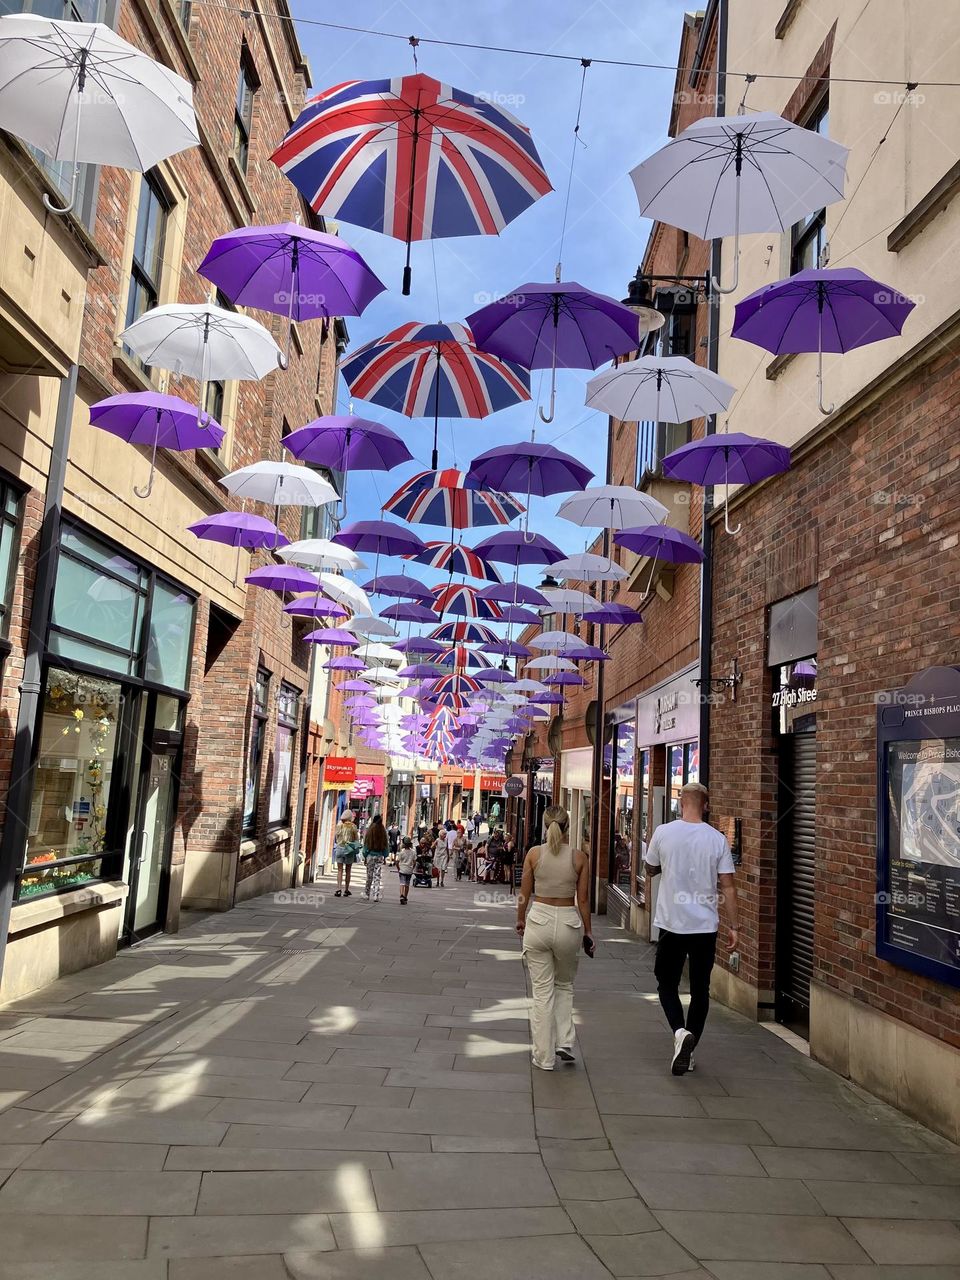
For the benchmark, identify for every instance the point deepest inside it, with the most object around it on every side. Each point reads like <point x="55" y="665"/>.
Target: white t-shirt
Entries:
<point x="691" y="855"/>
<point x="452" y="838"/>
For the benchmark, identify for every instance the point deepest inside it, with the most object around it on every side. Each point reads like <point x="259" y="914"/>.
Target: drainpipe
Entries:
<point x="713" y="356"/>
<point x="19" y="794"/>
<point x="597" y="777"/>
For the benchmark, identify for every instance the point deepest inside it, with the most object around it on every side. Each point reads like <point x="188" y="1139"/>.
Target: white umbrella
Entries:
<point x="659" y="389"/>
<point x="556" y="641"/>
<point x="587" y="567"/>
<point x="567" y="600"/>
<point x="724" y="175"/>
<point x="550" y="664"/>
<point x="379" y="675"/>
<point x="320" y="553"/>
<point x="379" y="653"/>
<point x="80" y="93"/>
<point x="202" y="341"/>
<point x="530" y="686"/>
<point x="280" y="484"/>
<point x="346" y="592"/>
<point x="367" y="625"/>
<point x="612" y="506"/>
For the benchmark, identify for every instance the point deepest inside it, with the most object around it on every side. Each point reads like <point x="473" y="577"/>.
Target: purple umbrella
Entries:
<point x="381" y="536"/>
<point x="496" y="675"/>
<point x="354" y="686"/>
<point x="360" y="700"/>
<point x="537" y="468"/>
<point x="315" y="607"/>
<point x="421" y="671"/>
<point x="282" y="577"/>
<point x="513" y="613"/>
<point x="566" y="677"/>
<point x="516" y="548"/>
<point x="348" y="663"/>
<point x="728" y="458"/>
<point x="514" y="593"/>
<point x="347" y="444"/>
<point x="551" y="699"/>
<point x="831" y="309"/>
<point x="660" y="542"/>
<point x="291" y="271"/>
<point x="408" y="612"/>
<point x="509" y="648"/>
<point x="238" y="529"/>
<point x="556" y="325"/>
<point x="402" y="585"/>
<point x="613" y="613"/>
<point x="162" y="422"/>
<point x="587" y="653"/>
<point x="333" y="636"/>
<point x="419" y="644"/>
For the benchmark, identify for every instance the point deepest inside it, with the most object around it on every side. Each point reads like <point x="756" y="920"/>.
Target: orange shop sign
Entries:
<point x="339" y="771"/>
<point x="488" y="781"/>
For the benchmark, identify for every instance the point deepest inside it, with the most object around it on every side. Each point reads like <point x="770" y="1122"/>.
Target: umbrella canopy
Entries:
<point x="514" y="613"/>
<point x="321" y="553"/>
<point x="413" y="158"/>
<point x="202" y="341"/>
<point x="380" y="536"/>
<point x="662" y="542"/>
<point x="447" y="498"/>
<point x="280" y="484"/>
<point x="409" y="612"/>
<point x="291" y="270"/>
<point x="333" y="636"/>
<point x="659" y="389"/>
<point x="463" y="633"/>
<point x="586" y="653"/>
<point x="418" y="644"/>
<point x="370" y="626"/>
<point x="147" y="417"/>
<point x="79" y="92"/>
<point x="568" y="600"/>
<point x="529" y="467"/>
<point x="509" y="648"/>
<point x="354" y="686"/>
<point x="833" y="309"/>
<point x="612" y="506"/>
<point x="727" y="458"/>
<point x="558" y="325"/>
<point x="346" y="443"/>
<point x="434" y="370"/>
<point x="282" y="577"/>
<point x="402" y="585"/>
<point x="421" y="671"/>
<point x="345" y="592"/>
<point x="455" y="558"/>
<point x="566" y="678"/>
<point x="345" y="663"/>
<point x="462" y="658"/>
<point x="613" y="613"/>
<point x="587" y="567"/>
<point x="516" y="548"/>
<point x="495" y="675"/>
<point x="550" y="664"/>
<point x="724" y="175"/>
<point x="513" y="593"/>
<point x="462" y="600"/>
<point x="555" y="641"/>
<point x="238" y="529"/>
<point x="314" y="606"/>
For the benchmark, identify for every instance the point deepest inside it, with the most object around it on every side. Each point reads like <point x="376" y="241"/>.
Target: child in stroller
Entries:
<point x="423" y="872"/>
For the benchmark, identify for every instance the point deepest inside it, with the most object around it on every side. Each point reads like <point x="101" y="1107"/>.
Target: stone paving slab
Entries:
<point x="343" y="1092"/>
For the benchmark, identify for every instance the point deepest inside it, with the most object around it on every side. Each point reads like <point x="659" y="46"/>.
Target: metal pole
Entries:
<point x="19" y="793"/>
<point x="597" y="762"/>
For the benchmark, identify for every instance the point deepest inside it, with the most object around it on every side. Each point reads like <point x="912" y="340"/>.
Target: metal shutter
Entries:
<point x="799" y="868"/>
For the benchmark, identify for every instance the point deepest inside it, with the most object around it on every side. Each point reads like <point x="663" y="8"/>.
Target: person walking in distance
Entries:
<point x="691" y="857"/>
<point x="406" y="863"/>
<point x="375" y="846"/>
<point x="553" y="918"/>
<point x="346" y="850"/>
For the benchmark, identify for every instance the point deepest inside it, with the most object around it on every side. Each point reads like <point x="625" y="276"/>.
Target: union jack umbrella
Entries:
<point x="463" y="633"/>
<point x="455" y="558"/>
<point x="434" y="370"/>
<point x="412" y="158"/>
<point x="445" y="498"/>
<point x="462" y="600"/>
<point x="462" y="659"/>
<point x="439" y="735"/>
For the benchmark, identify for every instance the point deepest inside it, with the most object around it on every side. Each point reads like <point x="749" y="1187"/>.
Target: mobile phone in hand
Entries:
<point x="588" y="946"/>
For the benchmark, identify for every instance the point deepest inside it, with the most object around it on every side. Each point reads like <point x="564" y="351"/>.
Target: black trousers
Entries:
<point x="672" y="950"/>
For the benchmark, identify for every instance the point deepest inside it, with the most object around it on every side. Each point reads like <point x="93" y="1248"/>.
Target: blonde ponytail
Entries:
<point x="557" y="820"/>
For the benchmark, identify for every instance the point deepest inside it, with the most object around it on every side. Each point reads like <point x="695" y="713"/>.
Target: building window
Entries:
<point x="9" y="544"/>
<point x="654" y="441"/>
<point x="69" y="838"/>
<point x="318" y="522"/>
<point x="247" y="85"/>
<point x="288" y="704"/>
<point x="808" y="237"/>
<point x="683" y="765"/>
<point x="261" y="702"/>
<point x="184" y="13"/>
<point x="148" y="239"/>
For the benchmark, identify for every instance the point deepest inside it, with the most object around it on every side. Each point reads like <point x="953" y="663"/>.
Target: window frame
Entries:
<point x="12" y="521"/>
<point x="811" y="230"/>
<point x="259" y="716"/>
<point x="248" y="82"/>
<point x="140" y="281"/>
<point x="287" y="695"/>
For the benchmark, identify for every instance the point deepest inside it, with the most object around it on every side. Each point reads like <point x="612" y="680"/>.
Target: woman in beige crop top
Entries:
<point x="553" y="918"/>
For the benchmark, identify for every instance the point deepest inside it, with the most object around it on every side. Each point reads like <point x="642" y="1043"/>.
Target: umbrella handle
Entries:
<point x="553" y="386"/>
<point x="148" y="489"/>
<point x="68" y="208"/>
<point x="726" y="509"/>
<point x="283" y="359"/>
<point x="825" y="409"/>
<point x="736" y="251"/>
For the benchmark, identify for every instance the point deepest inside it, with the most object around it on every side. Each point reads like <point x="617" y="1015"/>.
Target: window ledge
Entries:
<point x="778" y="364"/>
<point x="248" y="848"/>
<point x="925" y="210"/>
<point x="30" y="915"/>
<point x="212" y="462"/>
<point x="241" y="180"/>
<point x="277" y="836"/>
<point x="130" y="372"/>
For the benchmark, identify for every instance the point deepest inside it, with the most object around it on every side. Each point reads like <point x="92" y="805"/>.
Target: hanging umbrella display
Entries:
<point x="565" y="678"/>
<point x="291" y="271"/>
<point x="421" y="671"/>
<point x="279" y="484"/>
<point x="461" y="658"/>
<point x="345" y="663"/>
<point x="202" y="341"/>
<point x="508" y="648"/>
<point x="315" y="606"/>
<point x="367" y="625"/>
<point x="587" y="567"/>
<point x="568" y="600"/>
<point x="345" y="592"/>
<point x="463" y="633"/>
<point x="550" y="664"/>
<point x="412" y="158"/>
<point x="320" y="553"/>
<point x="516" y="548"/>
<point x="659" y="389"/>
<point x="560" y="325"/>
<point x="407" y="611"/>
<point x="434" y="371"/>
<point x="238" y="529"/>
<point x="282" y="577"/>
<point x="513" y="593"/>
<point x="586" y="653"/>
<point x="529" y="467"/>
<point x="835" y="309"/>
<point x="447" y="498"/>
<point x="336" y="636"/>
<point x="612" y="506"/>
<point x="402" y="585"/>
<point x="354" y="686"/>
<point x="515" y="614"/>
<point x="155" y="420"/>
<point x="612" y="614"/>
<point x="555" y="641"/>
<point x="463" y="601"/>
<point x="418" y="644"/>
<point x="661" y="542"/>
<point x="380" y="536"/>
<point x="727" y="458"/>
<point x="728" y="175"/>
<point x="79" y="92"/>
<point x="347" y="443"/>
<point x="456" y="558"/>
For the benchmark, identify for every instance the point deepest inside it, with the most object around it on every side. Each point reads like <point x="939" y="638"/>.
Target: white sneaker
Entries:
<point x="541" y="1066"/>
<point x="683" y="1043"/>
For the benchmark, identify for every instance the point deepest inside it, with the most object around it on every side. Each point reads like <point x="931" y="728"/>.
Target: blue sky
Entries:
<point x="625" y="113"/>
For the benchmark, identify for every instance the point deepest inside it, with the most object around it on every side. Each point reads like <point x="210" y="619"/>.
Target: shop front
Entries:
<point x="337" y="780"/>
<point x="576" y="794"/>
<point x="366" y="796"/>
<point x="619" y="775"/>
<point x="401" y="805"/>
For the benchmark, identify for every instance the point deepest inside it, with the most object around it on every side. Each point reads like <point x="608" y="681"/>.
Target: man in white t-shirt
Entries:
<point x="692" y="858"/>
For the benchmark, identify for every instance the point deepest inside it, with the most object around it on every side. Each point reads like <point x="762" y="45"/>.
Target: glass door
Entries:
<point x="154" y="817"/>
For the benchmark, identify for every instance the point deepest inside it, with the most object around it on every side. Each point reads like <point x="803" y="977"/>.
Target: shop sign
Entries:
<point x="367" y="785"/>
<point x="339" y="771"/>
<point x="670" y="713"/>
<point x="918" y="825"/>
<point x="514" y="786"/>
<point x="401" y="779"/>
<point x="488" y="781"/>
<point x="787" y="699"/>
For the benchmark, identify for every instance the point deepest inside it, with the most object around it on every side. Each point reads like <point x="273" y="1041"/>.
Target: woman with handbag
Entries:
<point x="346" y="850"/>
<point x="553" y="919"/>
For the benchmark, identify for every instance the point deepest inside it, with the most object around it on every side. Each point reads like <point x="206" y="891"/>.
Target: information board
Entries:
<point x="918" y="825"/>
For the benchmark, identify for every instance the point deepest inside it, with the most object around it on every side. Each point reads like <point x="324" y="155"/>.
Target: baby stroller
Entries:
<point x="463" y="864"/>
<point x="423" y="871"/>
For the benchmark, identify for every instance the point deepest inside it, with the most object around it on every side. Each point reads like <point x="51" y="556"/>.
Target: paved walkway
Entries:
<point x="337" y="1090"/>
